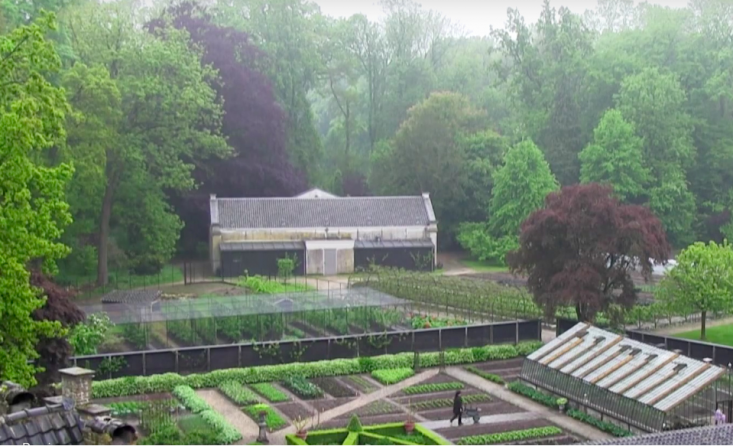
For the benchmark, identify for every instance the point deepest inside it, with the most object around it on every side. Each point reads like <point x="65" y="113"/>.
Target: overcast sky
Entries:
<point x="476" y="16"/>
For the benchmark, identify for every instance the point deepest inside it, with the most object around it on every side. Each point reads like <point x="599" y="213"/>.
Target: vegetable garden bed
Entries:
<point x="468" y="429"/>
<point x="333" y="387"/>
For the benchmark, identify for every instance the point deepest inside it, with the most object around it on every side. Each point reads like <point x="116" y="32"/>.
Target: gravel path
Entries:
<point x="552" y="416"/>
<point x="232" y="413"/>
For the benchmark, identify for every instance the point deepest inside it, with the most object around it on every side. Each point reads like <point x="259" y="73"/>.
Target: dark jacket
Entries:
<point x="457" y="404"/>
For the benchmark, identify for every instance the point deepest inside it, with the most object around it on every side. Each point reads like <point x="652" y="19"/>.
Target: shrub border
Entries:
<point x="137" y="385"/>
<point x="292" y="439"/>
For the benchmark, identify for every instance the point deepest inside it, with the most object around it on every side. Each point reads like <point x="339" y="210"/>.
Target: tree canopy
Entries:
<point x="700" y="282"/>
<point x="580" y="248"/>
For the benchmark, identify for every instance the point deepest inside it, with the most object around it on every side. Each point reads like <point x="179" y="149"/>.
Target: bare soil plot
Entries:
<point x="334" y="387"/>
<point x="328" y="404"/>
<point x="293" y="410"/>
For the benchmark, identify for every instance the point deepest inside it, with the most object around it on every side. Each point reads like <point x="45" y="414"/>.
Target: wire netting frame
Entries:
<point x="247" y="305"/>
<point x="627" y="410"/>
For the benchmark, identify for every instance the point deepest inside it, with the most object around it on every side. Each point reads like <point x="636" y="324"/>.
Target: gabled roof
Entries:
<point x="316" y="193"/>
<point x="721" y="434"/>
<point x="131" y="297"/>
<point x="42" y="425"/>
<point x="340" y="212"/>
<point x="652" y="376"/>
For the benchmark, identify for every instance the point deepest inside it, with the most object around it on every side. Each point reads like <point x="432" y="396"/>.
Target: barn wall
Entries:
<point x="234" y="263"/>
<point x="298" y="234"/>
<point x="404" y="258"/>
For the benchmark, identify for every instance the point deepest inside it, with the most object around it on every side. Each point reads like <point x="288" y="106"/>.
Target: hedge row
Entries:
<point x="225" y="432"/>
<point x="136" y="385"/>
<point x="551" y="401"/>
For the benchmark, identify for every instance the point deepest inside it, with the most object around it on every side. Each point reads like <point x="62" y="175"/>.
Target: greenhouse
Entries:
<point x="636" y="385"/>
<point x="149" y="322"/>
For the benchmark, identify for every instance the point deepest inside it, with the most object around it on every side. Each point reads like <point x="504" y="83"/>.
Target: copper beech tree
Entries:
<point x="580" y="248"/>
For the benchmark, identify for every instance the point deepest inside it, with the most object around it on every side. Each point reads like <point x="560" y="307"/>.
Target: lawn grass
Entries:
<point x="483" y="267"/>
<point x="721" y="334"/>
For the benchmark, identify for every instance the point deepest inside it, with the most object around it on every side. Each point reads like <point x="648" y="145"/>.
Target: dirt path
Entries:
<point x="552" y="416"/>
<point x="232" y="413"/>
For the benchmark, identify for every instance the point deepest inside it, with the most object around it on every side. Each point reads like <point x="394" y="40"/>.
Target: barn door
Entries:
<point x="329" y="262"/>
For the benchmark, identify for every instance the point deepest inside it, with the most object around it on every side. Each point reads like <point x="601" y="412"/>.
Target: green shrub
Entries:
<point x="354" y="424"/>
<point x="392" y="376"/>
<point x="511" y="436"/>
<point x="135" y="385"/>
<point x="188" y="398"/>
<point x="527" y="348"/>
<point x="237" y="393"/>
<point x="604" y="426"/>
<point x="225" y="432"/>
<point x="270" y="392"/>
<point x="534" y="395"/>
<point x="487" y="376"/>
<point x="273" y="419"/>
<point x="432" y="388"/>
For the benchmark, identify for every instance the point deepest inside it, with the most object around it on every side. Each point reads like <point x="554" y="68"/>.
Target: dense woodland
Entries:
<point x="119" y="119"/>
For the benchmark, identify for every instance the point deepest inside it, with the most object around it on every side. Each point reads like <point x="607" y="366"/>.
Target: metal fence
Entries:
<point x="216" y="357"/>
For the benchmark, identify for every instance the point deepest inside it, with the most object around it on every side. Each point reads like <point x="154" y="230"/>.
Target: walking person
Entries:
<point x="457" y="408"/>
<point x="719" y="416"/>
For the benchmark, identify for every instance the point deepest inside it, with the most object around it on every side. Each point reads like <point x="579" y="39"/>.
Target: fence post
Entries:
<point x="465" y="337"/>
<point x="328" y="348"/>
<point x="440" y="338"/>
<point x="239" y="356"/>
<point x="412" y="344"/>
<point x="145" y="368"/>
<point x="491" y="334"/>
<point x="516" y="333"/>
<point x="208" y="358"/>
<point x="177" y="368"/>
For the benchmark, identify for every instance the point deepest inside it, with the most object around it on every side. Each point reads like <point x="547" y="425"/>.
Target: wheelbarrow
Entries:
<point x="472" y="412"/>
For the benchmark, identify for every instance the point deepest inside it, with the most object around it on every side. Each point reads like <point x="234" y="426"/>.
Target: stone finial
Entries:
<point x="76" y="384"/>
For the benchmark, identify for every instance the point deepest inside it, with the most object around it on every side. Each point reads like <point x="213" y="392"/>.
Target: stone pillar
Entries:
<point x="76" y="383"/>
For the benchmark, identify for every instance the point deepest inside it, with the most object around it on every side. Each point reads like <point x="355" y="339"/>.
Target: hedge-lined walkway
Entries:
<point x="279" y="436"/>
<point x="232" y="413"/>
<point x="550" y="415"/>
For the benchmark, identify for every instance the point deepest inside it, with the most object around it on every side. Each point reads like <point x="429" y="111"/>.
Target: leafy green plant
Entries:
<point x="448" y="402"/>
<point x="562" y="401"/>
<point x="302" y="387"/>
<point x="270" y="392"/>
<point x="604" y="426"/>
<point x="237" y="393"/>
<point x="187" y="396"/>
<point x="392" y="376"/>
<point x="354" y="424"/>
<point x="273" y="419"/>
<point x="361" y="383"/>
<point x="432" y="388"/>
<point x="487" y="376"/>
<point x="88" y="335"/>
<point x="534" y="395"/>
<point x="511" y="436"/>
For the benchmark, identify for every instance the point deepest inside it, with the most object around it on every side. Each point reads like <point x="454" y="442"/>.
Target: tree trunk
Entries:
<point x="580" y="313"/>
<point x="703" y="315"/>
<point x="102" y="273"/>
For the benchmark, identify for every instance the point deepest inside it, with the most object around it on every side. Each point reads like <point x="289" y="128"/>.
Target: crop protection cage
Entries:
<point x="217" y="320"/>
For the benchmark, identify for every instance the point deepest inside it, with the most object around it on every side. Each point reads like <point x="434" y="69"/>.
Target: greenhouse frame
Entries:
<point x="637" y="385"/>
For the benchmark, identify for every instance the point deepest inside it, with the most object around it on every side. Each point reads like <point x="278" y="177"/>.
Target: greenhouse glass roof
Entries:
<point x="652" y="376"/>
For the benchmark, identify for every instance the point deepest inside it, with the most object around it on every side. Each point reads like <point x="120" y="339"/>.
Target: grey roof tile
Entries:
<point x="41" y="425"/>
<point x="270" y="213"/>
<point x="707" y="435"/>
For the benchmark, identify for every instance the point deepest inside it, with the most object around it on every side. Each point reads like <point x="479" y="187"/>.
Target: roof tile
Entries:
<point x="347" y="212"/>
<point x="707" y="435"/>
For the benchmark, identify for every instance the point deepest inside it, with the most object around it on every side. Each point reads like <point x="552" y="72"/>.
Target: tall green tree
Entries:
<point x="614" y="157"/>
<point x="702" y="281"/>
<point x="429" y="142"/>
<point x="33" y="210"/>
<point x="520" y="187"/>
<point x="168" y="117"/>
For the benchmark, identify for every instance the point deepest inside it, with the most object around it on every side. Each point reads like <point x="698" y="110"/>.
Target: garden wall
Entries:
<point x="216" y="357"/>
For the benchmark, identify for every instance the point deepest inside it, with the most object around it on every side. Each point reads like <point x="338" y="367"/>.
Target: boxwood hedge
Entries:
<point x="135" y="385"/>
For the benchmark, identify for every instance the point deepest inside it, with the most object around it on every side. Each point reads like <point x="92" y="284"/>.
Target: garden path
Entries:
<point x="550" y="415"/>
<point x="491" y="419"/>
<point x="279" y="436"/>
<point x="232" y="413"/>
